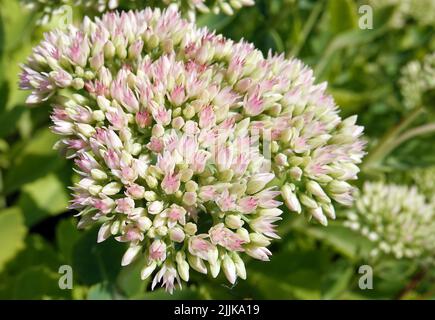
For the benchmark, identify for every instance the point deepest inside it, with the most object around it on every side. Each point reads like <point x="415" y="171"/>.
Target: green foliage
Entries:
<point x="362" y="67"/>
<point x="12" y="233"/>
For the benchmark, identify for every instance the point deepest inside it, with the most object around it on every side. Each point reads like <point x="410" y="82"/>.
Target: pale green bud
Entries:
<point x="259" y="240"/>
<point x="98" y="174"/>
<point x="95" y="189"/>
<point x="307" y="201"/>
<point x="98" y="115"/>
<point x="162" y="231"/>
<point x="189" y="112"/>
<point x="290" y="199"/>
<point x="186" y="175"/>
<point x="112" y="188"/>
<point x="197" y="264"/>
<point x="148" y="270"/>
<point x="215" y="268"/>
<point x="150" y="196"/>
<point x="151" y="182"/>
<point x="191" y="186"/>
<point x="315" y="189"/>
<point x="190" y="228"/>
<point x="233" y="221"/>
<point x="240" y="266"/>
<point x="86" y="129"/>
<point x="244" y="234"/>
<point x="229" y="269"/>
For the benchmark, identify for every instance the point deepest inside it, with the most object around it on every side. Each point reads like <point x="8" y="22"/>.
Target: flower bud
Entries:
<point x="290" y="199"/>
<point x="112" y="188"/>
<point x="259" y="240"/>
<point x="190" y="228"/>
<point x="176" y="234"/>
<point x="155" y="207"/>
<point x="258" y="182"/>
<point x="229" y="269"/>
<point x="233" y="221"/>
<point x="196" y="263"/>
<point x="240" y="266"/>
<point x="148" y="270"/>
<point x="215" y="268"/>
<point x="243" y="234"/>
<point x="98" y="174"/>
<point x="130" y="254"/>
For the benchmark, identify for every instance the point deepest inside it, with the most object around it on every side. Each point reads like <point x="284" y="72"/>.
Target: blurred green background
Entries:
<point x="363" y="68"/>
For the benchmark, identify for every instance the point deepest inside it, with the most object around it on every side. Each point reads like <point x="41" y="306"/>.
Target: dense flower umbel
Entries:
<point x="188" y="7"/>
<point x="154" y="113"/>
<point x="418" y="83"/>
<point x="419" y="11"/>
<point x="162" y="120"/>
<point x="397" y="218"/>
<point x="424" y="179"/>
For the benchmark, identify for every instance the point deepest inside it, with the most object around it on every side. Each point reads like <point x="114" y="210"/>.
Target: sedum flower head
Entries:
<point x="420" y="11"/>
<point x="424" y="179"/>
<point x="154" y="114"/>
<point x="180" y="135"/>
<point x="397" y="218"/>
<point x="418" y="82"/>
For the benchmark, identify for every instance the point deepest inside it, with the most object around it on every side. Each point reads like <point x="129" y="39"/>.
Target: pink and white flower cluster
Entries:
<point x="163" y="119"/>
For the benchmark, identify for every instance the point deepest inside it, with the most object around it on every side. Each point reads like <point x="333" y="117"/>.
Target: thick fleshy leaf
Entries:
<point x="12" y="233"/>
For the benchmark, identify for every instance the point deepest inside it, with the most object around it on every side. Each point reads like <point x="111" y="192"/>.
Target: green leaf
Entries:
<point x="39" y="283"/>
<point x="32" y="160"/>
<point x="37" y="252"/>
<point x="342" y="15"/>
<point x="342" y="239"/>
<point x="12" y="233"/>
<point x="129" y="280"/>
<point x="337" y="279"/>
<point x="67" y="236"/>
<point x="44" y="197"/>
<point x="97" y="262"/>
<point x="100" y="291"/>
<point x="9" y="119"/>
<point x="290" y="274"/>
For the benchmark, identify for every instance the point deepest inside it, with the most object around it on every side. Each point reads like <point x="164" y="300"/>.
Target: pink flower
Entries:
<point x="143" y="119"/>
<point x="135" y="191"/>
<point x="226" y="202"/>
<point x="226" y="238"/>
<point x="124" y="205"/>
<point x="157" y="250"/>
<point x="171" y="183"/>
<point x="176" y="214"/>
<point x="247" y="204"/>
<point x="169" y="275"/>
<point x="264" y="224"/>
<point x="207" y="117"/>
<point x="260" y="253"/>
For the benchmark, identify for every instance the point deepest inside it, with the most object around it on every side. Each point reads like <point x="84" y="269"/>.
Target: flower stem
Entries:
<point x="388" y="142"/>
<point x="308" y="27"/>
<point x="422" y="130"/>
<point x="415" y="281"/>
